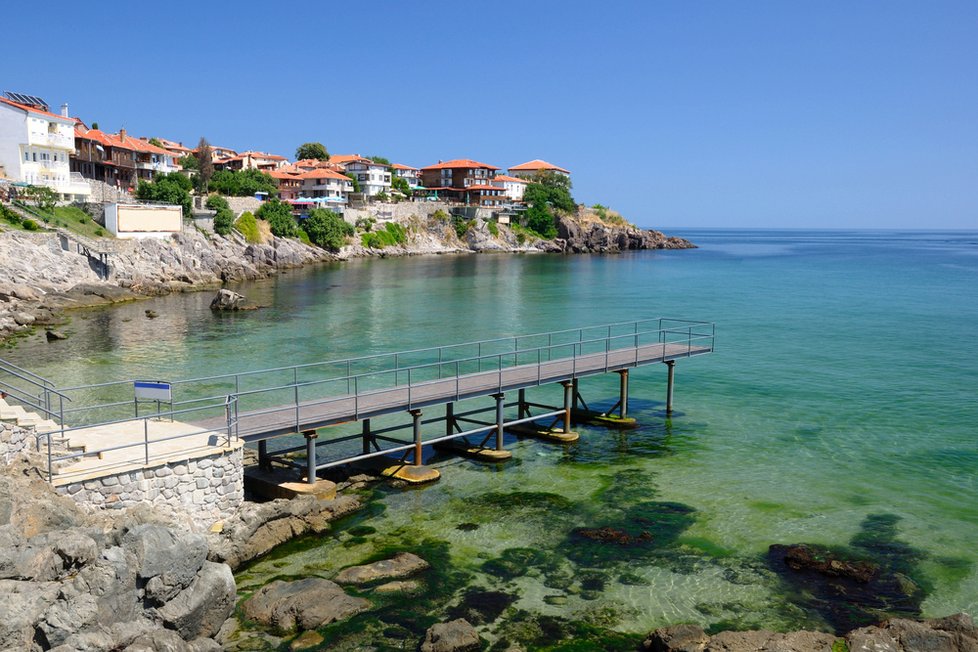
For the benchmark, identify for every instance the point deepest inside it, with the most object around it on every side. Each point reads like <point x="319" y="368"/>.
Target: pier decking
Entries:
<point x="255" y="406"/>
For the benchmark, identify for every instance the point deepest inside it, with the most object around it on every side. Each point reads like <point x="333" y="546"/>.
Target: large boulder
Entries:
<point x="227" y="300"/>
<point x="453" y="636"/>
<point x="307" y="604"/>
<point x="162" y="552"/>
<point x="401" y="565"/>
<point x="201" y="608"/>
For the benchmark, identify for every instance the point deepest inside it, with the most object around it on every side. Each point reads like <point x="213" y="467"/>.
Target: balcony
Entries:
<point x="57" y="141"/>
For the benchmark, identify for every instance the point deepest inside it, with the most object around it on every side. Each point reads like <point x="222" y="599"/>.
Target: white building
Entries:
<point x="329" y="186"/>
<point x="35" y="146"/>
<point x="513" y="187"/>
<point x="535" y="166"/>
<point x="374" y="178"/>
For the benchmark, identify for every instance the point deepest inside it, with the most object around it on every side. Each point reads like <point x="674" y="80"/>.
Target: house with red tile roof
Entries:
<point x="530" y="168"/>
<point x="251" y="161"/>
<point x="118" y="159"/>
<point x="289" y="182"/>
<point x="408" y="173"/>
<point x="36" y="147"/>
<point x="325" y="186"/>
<point x="513" y="187"/>
<point x="374" y="178"/>
<point x="463" y="180"/>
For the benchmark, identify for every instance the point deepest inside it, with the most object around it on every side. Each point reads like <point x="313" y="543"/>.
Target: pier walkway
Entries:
<point x="102" y="429"/>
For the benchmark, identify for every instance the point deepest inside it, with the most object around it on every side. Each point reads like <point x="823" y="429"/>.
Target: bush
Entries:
<point x="365" y="224"/>
<point x="279" y="217"/>
<point x="172" y="188"/>
<point x="440" y="215"/>
<point x="304" y="238"/>
<point x="327" y="229"/>
<point x="392" y="234"/>
<point x="462" y="225"/>
<point x="541" y="221"/>
<point x="242" y="184"/>
<point x="30" y="225"/>
<point x="493" y="229"/>
<point x="247" y="225"/>
<point x="223" y="221"/>
<point x="216" y="202"/>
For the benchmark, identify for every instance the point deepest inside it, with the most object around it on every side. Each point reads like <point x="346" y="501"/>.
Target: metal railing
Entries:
<point x="32" y="391"/>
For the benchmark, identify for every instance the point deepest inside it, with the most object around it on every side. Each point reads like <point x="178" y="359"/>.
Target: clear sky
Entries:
<point x="794" y="114"/>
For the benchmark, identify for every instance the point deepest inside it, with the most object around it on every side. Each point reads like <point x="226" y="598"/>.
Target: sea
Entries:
<point x="838" y="410"/>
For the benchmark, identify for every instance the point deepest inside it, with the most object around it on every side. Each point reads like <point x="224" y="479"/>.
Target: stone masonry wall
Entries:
<point x="399" y="212"/>
<point x="239" y="205"/>
<point x="13" y="440"/>
<point x="208" y="489"/>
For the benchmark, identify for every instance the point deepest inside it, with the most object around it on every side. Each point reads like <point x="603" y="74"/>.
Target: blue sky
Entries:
<point x="760" y="114"/>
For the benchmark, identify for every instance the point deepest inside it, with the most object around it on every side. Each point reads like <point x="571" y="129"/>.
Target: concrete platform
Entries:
<point x="614" y="421"/>
<point x="411" y="474"/>
<point x="458" y="447"/>
<point x="282" y="483"/>
<point x="547" y="434"/>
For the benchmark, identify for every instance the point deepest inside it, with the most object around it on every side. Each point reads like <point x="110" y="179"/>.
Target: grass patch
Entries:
<point x="247" y="225"/>
<point x="69" y="218"/>
<point x="493" y="229"/>
<point x="392" y="234"/>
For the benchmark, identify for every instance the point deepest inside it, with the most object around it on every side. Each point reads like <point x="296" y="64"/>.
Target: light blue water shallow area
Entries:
<point x="844" y="385"/>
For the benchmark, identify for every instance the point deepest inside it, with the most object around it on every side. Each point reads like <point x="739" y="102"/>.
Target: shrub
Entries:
<point x="223" y="221"/>
<point x="304" y="237"/>
<point x="392" y="234"/>
<point x="440" y="215"/>
<point x="99" y="232"/>
<point x="462" y="225"/>
<point x="216" y="202"/>
<point x="247" y="225"/>
<point x="327" y="229"/>
<point x="279" y="217"/>
<point x="493" y="229"/>
<point x="172" y="188"/>
<point x="365" y="224"/>
<point x="30" y="225"/>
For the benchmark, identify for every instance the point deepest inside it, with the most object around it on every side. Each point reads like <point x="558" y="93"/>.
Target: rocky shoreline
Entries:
<point x="39" y="280"/>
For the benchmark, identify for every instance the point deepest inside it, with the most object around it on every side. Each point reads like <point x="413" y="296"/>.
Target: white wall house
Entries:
<point x="530" y="168"/>
<point x="374" y="178"/>
<point x="35" y="146"/>
<point x="513" y="187"/>
<point x="329" y="186"/>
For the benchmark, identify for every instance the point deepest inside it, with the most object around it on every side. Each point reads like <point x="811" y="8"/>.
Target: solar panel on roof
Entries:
<point x="29" y="100"/>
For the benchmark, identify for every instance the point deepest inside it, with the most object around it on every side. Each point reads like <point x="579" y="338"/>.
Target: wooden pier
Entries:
<point x="257" y="406"/>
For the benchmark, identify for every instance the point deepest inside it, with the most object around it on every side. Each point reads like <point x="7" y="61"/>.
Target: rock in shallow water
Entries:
<point x="306" y="604"/>
<point x="227" y="300"/>
<point x="401" y="565"/>
<point x="454" y="636"/>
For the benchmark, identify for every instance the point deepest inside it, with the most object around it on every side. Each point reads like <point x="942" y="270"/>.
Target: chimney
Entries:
<point x="122" y="134"/>
<point x="64" y="109"/>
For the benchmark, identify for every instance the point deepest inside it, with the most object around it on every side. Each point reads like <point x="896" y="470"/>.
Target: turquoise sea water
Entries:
<point x="841" y="403"/>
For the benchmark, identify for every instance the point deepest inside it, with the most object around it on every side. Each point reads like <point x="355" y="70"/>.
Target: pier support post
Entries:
<point x="416" y="425"/>
<point x="449" y="419"/>
<point x="366" y="436"/>
<point x="310" y="436"/>
<point x="671" y="383"/>
<point x="263" y="461"/>
<point x="577" y="393"/>
<point x="499" y="420"/>
<point x="623" y="393"/>
<point x="523" y="410"/>
<point x="569" y="394"/>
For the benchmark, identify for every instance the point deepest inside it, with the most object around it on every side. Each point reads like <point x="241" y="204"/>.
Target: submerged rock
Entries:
<point x="454" y="636"/>
<point x="53" y="335"/>
<point x="401" y="565"/>
<point x="307" y="604"/>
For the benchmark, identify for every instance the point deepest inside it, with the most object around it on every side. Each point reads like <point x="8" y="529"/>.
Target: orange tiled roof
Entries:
<point x="33" y="109"/>
<point x="115" y="140"/>
<point x="342" y="159"/>
<point x="398" y="166"/>
<point x="481" y="187"/>
<point x="459" y="163"/>
<point x="506" y="177"/>
<point x="536" y="165"/>
<point x="323" y="173"/>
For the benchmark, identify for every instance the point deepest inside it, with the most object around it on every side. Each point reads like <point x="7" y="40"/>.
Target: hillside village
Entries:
<point x="84" y="164"/>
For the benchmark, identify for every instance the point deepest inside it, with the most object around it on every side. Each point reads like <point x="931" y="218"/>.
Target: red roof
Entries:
<point x="323" y="173"/>
<point x="536" y="165"/>
<point x="115" y="140"/>
<point x="398" y="166"/>
<point x="483" y="187"/>
<point x="34" y="109"/>
<point x="459" y="163"/>
<point x="506" y="177"/>
<point x="343" y="159"/>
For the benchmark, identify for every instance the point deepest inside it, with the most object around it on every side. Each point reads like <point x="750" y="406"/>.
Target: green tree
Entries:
<point x="327" y="229"/>
<point x="189" y="162"/>
<point x="41" y="196"/>
<point x="244" y="183"/>
<point x="311" y="150"/>
<point x="356" y="182"/>
<point x="205" y="167"/>
<point x="401" y="185"/>
<point x="155" y="142"/>
<point x="540" y="220"/>
<point x="279" y="217"/>
<point x="215" y="202"/>
<point x="381" y="160"/>
<point x="223" y="221"/>
<point x="170" y="188"/>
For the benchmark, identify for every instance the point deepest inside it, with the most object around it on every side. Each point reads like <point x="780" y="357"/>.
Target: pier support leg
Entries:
<point x="416" y="425"/>
<point x="310" y="436"/>
<point x="263" y="461"/>
<point x="670" y="385"/>
<point x="577" y="393"/>
<point x="568" y="403"/>
<point x="623" y="393"/>
<point x="499" y="420"/>
<point x="366" y="436"/>
<point x="523" y="410"/>
<point x="449" y="419"/>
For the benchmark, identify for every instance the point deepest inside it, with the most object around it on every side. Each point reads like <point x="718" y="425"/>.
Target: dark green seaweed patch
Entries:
<point x="516" y="562"/>
<point x="640" y="532"/>
<point x="481" y="607"/>
<point x="875" y="577"/>
<point x="544" y="633"/>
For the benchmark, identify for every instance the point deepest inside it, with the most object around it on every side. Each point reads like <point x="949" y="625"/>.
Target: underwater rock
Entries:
<point x="306" y="640"/>
<point x="611" y="535"/>
<point x="308" y="603"/>
<point x="678" y="638"/>
<point x="53" y="335"/>
<point x="454" y="636"/>
<point x="401" y="565"/>
<point x="820" y="560"/>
